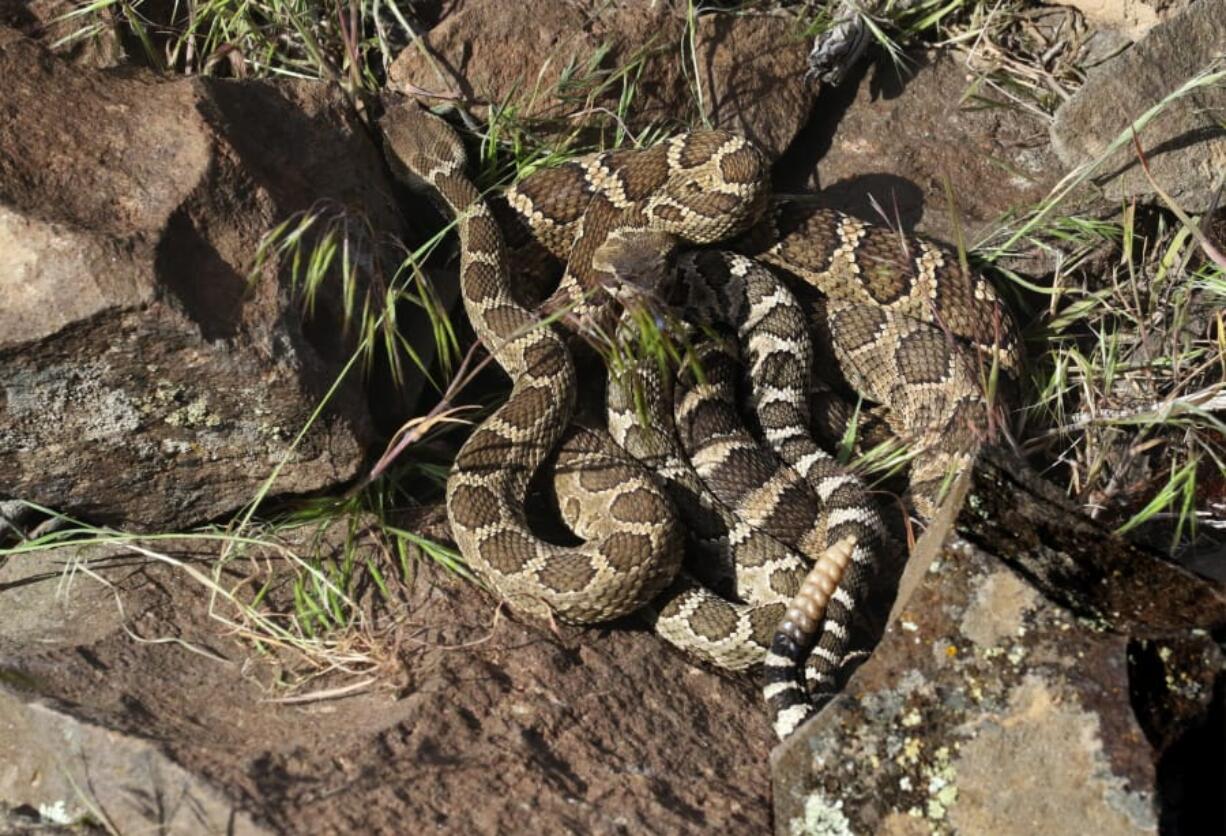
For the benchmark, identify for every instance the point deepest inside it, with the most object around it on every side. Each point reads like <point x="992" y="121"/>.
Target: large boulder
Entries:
<point x="985" y="709"/>
<point x="87" y="771"/>
<point x="143" y="379"/>
<point x="898" y="147"/>
<point x="1006" y="696"/>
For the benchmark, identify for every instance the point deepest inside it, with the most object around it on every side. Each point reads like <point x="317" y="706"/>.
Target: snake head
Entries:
<point x="638" y="260"/>
<point x="717" y="187"/>
<point x="419" y="145"/>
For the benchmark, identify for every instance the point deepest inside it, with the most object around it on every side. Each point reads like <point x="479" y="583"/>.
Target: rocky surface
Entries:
<point x="1185" y="145"/>
<point x="988" y="708"/>
<point x="143" y="381"/>
<point x="554" y="65"/>
<point x="894" y="149"/>
<point x="888" y="142"/>
<point x="140" y="381"/>
<point x="71" y="770"/>
<point x="1130" y="18"/>
<point x="482" y="725"/>
<point x="985" y="710"/>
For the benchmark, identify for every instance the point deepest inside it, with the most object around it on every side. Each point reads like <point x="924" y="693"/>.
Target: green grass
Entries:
<point x="1127" y="388"/>
<point x="332" y="246"/>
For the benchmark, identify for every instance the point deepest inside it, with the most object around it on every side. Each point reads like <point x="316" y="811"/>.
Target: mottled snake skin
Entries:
<point x="772" y="522"/>
<point x="638" y="549"/>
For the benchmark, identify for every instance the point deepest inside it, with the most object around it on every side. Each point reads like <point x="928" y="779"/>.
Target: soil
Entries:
<point x="491" y="726"/>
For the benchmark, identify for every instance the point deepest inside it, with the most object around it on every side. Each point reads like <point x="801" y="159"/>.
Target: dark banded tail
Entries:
<point x="784" y="668"/>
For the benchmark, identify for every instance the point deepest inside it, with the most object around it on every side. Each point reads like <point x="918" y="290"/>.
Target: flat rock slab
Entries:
<point x="985" y="709"/>
<point x="60" y="765"/>
<point x="1007" y="696"/>
<point x="1186" y="144"/>
<point x="481" y="724"/>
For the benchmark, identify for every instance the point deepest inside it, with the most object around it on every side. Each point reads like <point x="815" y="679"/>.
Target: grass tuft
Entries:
<point x="350" y="44"/>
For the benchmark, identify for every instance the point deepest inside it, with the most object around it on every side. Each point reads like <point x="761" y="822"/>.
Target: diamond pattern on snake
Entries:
<point x="739" y="537"/>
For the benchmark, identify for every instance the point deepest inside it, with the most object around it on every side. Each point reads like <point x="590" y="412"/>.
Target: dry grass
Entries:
<point x="1130" y="385"/>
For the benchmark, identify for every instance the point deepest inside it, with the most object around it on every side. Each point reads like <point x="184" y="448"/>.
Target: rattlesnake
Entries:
<point x="908" y="324"/>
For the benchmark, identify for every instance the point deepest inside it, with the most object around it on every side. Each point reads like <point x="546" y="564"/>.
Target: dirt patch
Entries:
<point x="493" y="726"/>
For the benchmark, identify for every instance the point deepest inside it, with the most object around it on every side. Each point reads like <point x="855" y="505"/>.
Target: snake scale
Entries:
<point x="743" y="541"/>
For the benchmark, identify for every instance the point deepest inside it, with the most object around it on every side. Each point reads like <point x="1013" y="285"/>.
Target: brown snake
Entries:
<point x="908" y="325"/>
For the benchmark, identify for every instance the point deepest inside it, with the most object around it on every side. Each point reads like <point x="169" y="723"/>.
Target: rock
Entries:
<point x="985" y="709"/>
<point x="989" y="708"/>
<point x="142" y="381"/>
<point x="551" y="66"/>
<point x="1185" y="145"/>
<point x="1131" y="18"/>
<point x="889" y="150"/>
<point x="485" y="52"/>
<point x="479" y="724"/>
<point x="43" y="20"/>
<point x="1100" y="576"/>
<point x="752" y="71"/>
<point x="69" y="770"/>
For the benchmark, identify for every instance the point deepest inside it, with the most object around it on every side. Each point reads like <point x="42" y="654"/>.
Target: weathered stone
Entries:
<point x="1185" y="145"/>
<point x="750" y="69"/>
<point x="486" y="52"/>
<point x="1078" y="562"/>
<point x="142" y="379"/>
<point x="989" y="708"/>
<point x="985" y="709"/>
<point x="898" y="149"/>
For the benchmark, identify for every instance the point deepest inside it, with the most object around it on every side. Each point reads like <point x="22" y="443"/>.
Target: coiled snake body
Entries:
<point x="909" y="326"/>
